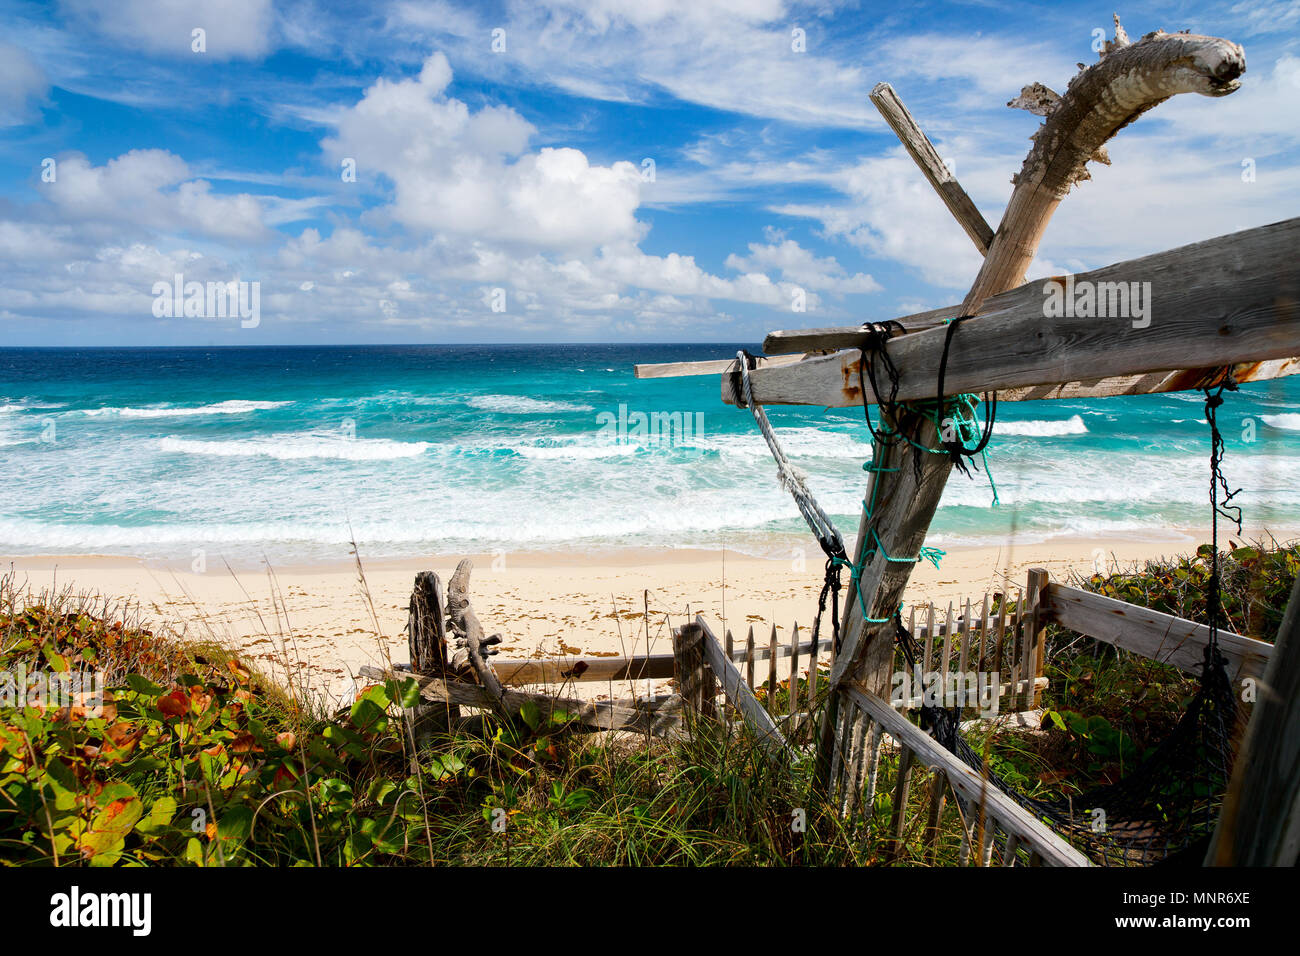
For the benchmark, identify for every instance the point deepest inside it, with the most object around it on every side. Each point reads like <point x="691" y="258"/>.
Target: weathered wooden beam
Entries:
<point x="790" y="341"/>
<point x="902" y="496"/>
<point x="925" y="156"/>
<point x="1230" y="301"/>
<point x="476" y="646"/>
<point x="706" y="367"/>
<point x="1260" y="821"/>
<point x="635" y="716"/>
<point x="738" y="692"/>
<point x="1161" y="637"/>
<point x="515" y="673"/>
<point x="968" y="784"/>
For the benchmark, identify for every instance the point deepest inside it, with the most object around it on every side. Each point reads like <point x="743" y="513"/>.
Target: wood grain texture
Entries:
<point x="1260" y="821"/>
<point x="1230" y="301"/>
<point x="737" y="691"/>
<point x="1130" y="79"/>
<point x="1153" y="634"/>
<point x="1010" y="816"/>
<point x="938" y="174"/>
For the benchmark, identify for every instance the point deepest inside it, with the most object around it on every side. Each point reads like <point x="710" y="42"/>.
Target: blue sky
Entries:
<point x="524" y="168"/>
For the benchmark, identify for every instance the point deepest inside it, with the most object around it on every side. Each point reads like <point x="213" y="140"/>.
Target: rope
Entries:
<point x="823" y="529"/>
<point x="1213" y="595"/>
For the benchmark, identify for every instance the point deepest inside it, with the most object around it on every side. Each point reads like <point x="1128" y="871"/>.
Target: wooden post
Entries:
<point x="694" y="676"/>
<point x="903" y="500"/>
<point x="1260" y="821"/>
<point x="792" y="727"/>
<point x="1036" y="627"/>
<point x="427" y="642"/>
<point x="771" y="673"/>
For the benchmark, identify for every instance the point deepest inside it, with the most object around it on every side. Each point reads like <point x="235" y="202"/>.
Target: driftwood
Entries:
<point x="474" y="648"/>
<point x="1130" y="79"/>
<point x="657" y="715"/>
<point x="925" y="156"/>
<point x="427" y="641"/>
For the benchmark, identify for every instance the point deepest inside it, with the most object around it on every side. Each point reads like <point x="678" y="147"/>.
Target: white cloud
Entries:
<point x="464" y="172"/>
<point x="150" y="188"/>
<point x="234" y="28"/>
<point x="801" y="266"/>
<point x="733" y="55"/>
<point x="22" y="84"/>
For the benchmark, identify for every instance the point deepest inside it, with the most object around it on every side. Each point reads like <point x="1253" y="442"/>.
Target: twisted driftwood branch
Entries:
<point x="1102" y="99"/>
<point x="475" y="647"/>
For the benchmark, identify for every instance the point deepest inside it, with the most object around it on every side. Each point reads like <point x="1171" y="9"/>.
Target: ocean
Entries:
<point x="290" y="454"/>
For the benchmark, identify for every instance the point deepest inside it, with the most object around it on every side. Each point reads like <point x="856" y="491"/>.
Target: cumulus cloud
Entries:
<point x="455" y="170"/>
<point x="151" y="188"/>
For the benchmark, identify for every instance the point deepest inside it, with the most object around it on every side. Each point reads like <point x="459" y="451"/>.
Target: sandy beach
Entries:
<point x="323" y="622"/>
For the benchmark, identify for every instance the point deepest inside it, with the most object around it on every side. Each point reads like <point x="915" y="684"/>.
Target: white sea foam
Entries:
<point x="522" y="405"/>
<point x="1288" y="421"/>
<point x="294" y="447"/>
<point x="232" y="407"/>
<point x="576" y="451"/>
<point x="1042" y="428"/>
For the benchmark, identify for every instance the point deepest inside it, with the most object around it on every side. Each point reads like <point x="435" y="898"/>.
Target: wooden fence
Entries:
<point x="1000" y="632"/>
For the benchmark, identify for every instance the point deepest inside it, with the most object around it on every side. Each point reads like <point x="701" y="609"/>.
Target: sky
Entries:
<point x="564" y="171"/>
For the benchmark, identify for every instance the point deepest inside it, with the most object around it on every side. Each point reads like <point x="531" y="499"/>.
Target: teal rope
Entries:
<point x="961" y="411"/>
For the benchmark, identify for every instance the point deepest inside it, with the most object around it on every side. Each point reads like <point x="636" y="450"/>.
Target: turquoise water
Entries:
<point x="289" y="453"/>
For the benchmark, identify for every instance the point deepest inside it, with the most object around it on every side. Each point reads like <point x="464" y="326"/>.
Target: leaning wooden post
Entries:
<point x="1260" y="821"/>
<point x="1035" y="634"/>
<point x="903" y="496"/>
<point x="1130" y="79"/>
<point x="427" y="642"/>
<point x="925" y="156"/>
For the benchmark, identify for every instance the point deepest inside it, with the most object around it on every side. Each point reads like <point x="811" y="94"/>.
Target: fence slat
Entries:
<point x="964" y="663"/>
<point x="946" y="658"/>
<point x="749" y="658"/>
<point x="902" y="790"/>
<point x="938" y="794"/>
<point x="929" y="638"/>
<point x="733" y="685"/>
<point x="794" y="677"/>
<point x="771" y="673"/>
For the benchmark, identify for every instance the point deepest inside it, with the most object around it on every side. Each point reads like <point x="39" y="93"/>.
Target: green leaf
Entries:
<point x="531" y="714"/>
<point x="103" y="842"/>
<point x="236" y="823"/>
<point x="142" y="685"/>
<point x="160" y="814"/>
<point x="406" y="692"/>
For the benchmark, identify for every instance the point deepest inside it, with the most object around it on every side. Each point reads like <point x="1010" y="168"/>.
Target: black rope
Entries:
<point x="1218" y="483"/>
<point x="956" y="449"/>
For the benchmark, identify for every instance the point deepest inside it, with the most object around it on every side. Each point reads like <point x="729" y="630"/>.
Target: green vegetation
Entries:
<point x="195" y="759"/>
